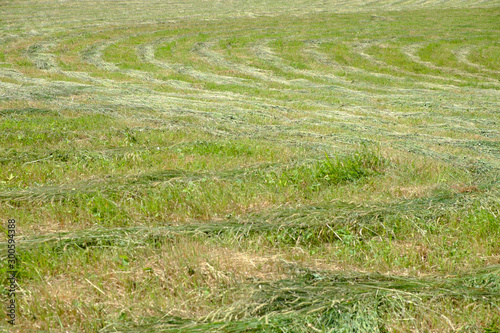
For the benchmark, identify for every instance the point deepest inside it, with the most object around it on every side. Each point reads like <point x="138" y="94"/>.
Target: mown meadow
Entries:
<point x="251" y="166"/>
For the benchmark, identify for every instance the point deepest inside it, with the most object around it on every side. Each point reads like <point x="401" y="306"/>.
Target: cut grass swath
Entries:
<point x="314" y="301"/>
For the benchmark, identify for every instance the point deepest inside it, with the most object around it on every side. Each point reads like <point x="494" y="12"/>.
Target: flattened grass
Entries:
<point x="189" y="167"/>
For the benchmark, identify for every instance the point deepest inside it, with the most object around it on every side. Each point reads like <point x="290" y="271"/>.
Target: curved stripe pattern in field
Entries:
<point x="130" y="126"/>
<point x="239" y="67"/>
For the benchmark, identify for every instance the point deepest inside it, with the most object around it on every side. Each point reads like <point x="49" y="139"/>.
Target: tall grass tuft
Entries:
<point x="363" y="163"/>
<point x="359" y="165"/>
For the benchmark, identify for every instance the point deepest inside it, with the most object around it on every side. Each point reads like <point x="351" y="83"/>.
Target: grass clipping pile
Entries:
<point x="317" y="301"/>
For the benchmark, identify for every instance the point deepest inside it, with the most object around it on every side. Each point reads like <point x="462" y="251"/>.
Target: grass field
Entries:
<point x="251" y="166"/>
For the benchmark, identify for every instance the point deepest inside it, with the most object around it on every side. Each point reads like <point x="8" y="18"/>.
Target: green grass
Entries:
<point x="284" y="166"/>
<point x="487" y="55"/>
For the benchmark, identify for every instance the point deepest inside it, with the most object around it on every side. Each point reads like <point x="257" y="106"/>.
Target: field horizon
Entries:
<point x="251" y="166"/>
